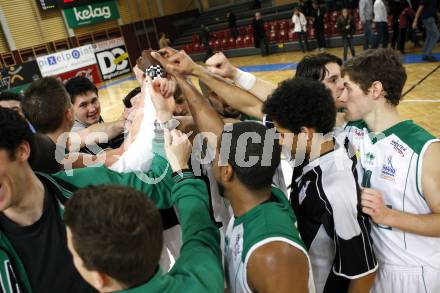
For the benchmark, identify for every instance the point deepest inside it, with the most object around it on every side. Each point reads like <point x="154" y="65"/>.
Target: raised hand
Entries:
<point x="177" y="64"/>
<point x="177" y="149"/>
<point x="219" y="64"/>
<point x="164" y="106"/>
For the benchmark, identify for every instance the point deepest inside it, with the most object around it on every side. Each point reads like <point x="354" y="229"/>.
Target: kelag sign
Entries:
<point x="90" y="14"/>
<point x="65" y="61"/>
<point x="16" y="78"/>
<point x="112" y="58"/>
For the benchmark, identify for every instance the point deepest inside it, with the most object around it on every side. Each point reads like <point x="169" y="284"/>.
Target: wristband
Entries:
<point x="245" y="80"/>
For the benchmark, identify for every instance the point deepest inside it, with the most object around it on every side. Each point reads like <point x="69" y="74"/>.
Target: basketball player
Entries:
<point x="400" y="165"/>
<point x="324" y="191"/>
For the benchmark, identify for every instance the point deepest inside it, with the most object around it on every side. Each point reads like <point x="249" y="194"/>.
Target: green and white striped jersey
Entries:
<point x="270" y="221"/>
<point x="391" y="162"/>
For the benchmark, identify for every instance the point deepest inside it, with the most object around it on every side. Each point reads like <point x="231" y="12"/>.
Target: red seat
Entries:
<point x="248" y="41"/>
<point x="283" y="24"/>
<point x="231" y="42"/>
<point x="249" y="30"/>
<point x="196" y="47"/>
<point x="216" y="45"/>
<point x="195" y="39"/>
<point x="227" y="33"/>
<point x="273" y="36"/>
<point x="242" y="30"/>
<point x="220" y="35"/>
<point x="239" y="42"/>
<point x="224" y="44"/>
<point x="284" y="35"/>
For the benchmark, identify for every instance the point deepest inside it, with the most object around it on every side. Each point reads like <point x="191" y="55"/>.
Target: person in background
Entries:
<point x="428" y="10"/>
<point x="345" y="25"/>
<point x="318" y="24"/>
<point x="205" y="36"/>
<point x="396" y="7"/>
<point x="164" y="41"/>
<point x="232" y="22"/>
<point x="260" y="38"/>
<point x="381" y="22"/>
<point x="300" y="28"/>
<point x="366" y="17"/>
<point x="404" y="24"/>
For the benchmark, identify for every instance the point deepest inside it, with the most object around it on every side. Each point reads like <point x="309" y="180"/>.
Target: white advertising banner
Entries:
<point x="112" y="58"/>
<point x="66" y="61"/>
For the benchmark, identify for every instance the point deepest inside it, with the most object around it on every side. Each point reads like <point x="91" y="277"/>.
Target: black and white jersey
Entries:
<point x="326" y="199"/>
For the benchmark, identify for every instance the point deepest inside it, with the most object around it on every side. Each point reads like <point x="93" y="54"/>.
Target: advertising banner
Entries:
<point x="66" y="61"/>
<point x="90" y="14"/>
<point x="91" y="72"/>
<point x="112" y="58"/>
<point x="17" y="77"/>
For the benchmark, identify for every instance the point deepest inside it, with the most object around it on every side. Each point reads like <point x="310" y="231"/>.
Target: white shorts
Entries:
<point x="397" y="279"/>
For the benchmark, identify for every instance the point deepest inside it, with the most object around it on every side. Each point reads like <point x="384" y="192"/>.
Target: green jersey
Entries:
<point x="270" y="221"/>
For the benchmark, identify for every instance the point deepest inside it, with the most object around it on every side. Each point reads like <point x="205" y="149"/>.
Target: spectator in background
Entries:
<point x="428" y="9"/>
<point x="260" y="38"/>
<point x="164" y="41"/>
<point x="87" y="112"/>
<point x="232" y="22"/>
<point x="406" y="15"/>
<point x="304" y="7"/>
<point x="396" y="7"/>
<point x="381" y="22"/>
<point x="300" y="28"/>
<point x="366" y="17"/>
<point x="205" y="36"/>
<point x="346" y="28"/>
<point x="318" y="25"/>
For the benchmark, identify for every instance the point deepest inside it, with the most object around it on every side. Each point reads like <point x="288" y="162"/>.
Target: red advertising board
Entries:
<point x="91" y="72"/>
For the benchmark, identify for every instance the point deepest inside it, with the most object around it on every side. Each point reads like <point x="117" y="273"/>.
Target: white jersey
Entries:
<point x="391" y="162"/>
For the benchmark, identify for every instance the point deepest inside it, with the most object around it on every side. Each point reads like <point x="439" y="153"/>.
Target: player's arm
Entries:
<point x="236" y="97"/>
<point x="416" y="18"/>
<point x="205" y="117"/>
<point x="219" y="64"/>
<point x="363" y="284"/>
<point x="278" y="267"/>
<point x="425" y="224"/>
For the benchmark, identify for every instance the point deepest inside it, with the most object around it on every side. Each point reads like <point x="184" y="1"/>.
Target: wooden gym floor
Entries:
<point x="421" y="103"/>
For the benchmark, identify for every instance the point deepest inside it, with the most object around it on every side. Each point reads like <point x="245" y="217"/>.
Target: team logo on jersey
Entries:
<point x="237" y="247"/>
<point x="303" y="192"/>
<point x="388" y="171"/>
<point x="400" y="149"/>
<point x="369" y="158"/>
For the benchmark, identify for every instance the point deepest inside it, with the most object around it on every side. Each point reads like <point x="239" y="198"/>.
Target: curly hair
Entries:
<point x="382" y="65"/>
<point x="302" y="102"/>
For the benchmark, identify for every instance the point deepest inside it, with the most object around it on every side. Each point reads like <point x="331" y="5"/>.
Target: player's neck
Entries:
<point x="243" y="200"/>
<point x="27" y="206"/>
<point x="382" y="118"/>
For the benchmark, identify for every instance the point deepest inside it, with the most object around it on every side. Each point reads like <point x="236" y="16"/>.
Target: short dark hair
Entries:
<point x="260" y="174"/>
<point x="313" y="66"/>
<point x="10" y="96"/>
<point x="45" y="103"/>
<point x="382" y="65"/>
<point x="116" y="230"/>
<point x="302" y="102"/>
<point x="14" y="131"/>
<point x="80" y="85"/>
<point x="131" y="94"/>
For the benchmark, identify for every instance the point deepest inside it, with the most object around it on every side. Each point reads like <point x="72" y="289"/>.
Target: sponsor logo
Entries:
<point x="399" y="148"/>
<point x="359" y="133"/>
<point x="237" y="247"/>
<point x="388" y="170"/>
<point x="303" y="192"/>
<point x="51" y="60"/>
<point x="90" y="13"/>
<point x="369" y="158"/>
